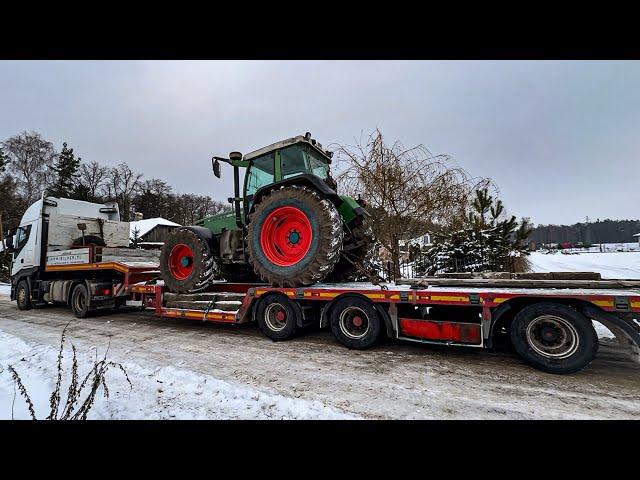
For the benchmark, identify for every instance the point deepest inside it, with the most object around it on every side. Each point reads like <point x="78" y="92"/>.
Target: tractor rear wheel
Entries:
<point x="294" y="237"/>
<point x="346" y="270"/>
<point x="186" y="264"/>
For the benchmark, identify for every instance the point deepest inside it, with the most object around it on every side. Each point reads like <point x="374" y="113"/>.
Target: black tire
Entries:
<point x="277" y="317"/>
<point x="80" y="301"/>
<point x="201" y="264"/>
<point x="23" y="295"/>
<point x="554" y="338"/>
<point x="325" y="243"/>
<point x="345" y="270"/>
<point x="351" y="332"/>
<point x="89" y="240"/>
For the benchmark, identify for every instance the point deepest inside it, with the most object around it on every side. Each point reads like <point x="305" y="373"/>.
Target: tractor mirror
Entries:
<point x="216" y="167"/>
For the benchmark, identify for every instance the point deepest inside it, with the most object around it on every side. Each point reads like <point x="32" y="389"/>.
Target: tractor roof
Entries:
<point x="290" y="141"/>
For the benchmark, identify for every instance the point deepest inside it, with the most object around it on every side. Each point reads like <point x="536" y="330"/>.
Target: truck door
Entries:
<point x="25" y="254"/>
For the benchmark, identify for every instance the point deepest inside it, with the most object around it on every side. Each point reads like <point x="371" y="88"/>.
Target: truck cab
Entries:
<point x="58" y="231"/>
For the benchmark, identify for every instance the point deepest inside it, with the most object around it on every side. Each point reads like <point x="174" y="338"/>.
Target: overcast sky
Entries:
<point x="560" y="139"/>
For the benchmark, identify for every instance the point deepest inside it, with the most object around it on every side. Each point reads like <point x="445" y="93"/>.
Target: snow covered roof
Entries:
<point x="148" y="224"/>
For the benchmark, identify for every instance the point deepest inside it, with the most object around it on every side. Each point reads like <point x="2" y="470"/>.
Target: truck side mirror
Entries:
<point x="216" y="167"/>
<point x="8" y="241"/>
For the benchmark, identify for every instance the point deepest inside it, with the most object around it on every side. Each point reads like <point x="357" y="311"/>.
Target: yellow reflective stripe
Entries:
<point x="603" y="303"/>
<point x="635" y="304"/>
<point x="500" y="300"/>
<point x="446" y="298"/>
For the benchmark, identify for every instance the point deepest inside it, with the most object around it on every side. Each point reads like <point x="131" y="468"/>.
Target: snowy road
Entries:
<point x="185" y="369"/>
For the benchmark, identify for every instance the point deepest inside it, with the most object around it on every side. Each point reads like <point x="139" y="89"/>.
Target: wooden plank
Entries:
<point x="519" y="283"/>
<point x="110" y="254"/>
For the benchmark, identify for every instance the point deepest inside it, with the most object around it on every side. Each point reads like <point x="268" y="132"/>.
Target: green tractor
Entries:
<point x="289" y="228"/>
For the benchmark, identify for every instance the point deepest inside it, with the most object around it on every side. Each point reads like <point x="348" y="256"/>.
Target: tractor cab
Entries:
<point x="274" y="164"/>
<point x="283" y="160"/>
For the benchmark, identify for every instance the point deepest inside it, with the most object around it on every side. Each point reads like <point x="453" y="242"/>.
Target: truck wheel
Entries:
<point x="355" y="322"/>
<point x="23" y="295"/>
<point x="294" y="237"/>
<point x="277" y="317"/>
<point x="80" y="301"/>
<point x="186" y="264"/>
<point x="554" y="338"/>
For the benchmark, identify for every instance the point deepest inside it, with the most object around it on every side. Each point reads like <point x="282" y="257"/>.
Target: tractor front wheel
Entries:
<point x="294" y="237"/>
<point x="186" y="264"/>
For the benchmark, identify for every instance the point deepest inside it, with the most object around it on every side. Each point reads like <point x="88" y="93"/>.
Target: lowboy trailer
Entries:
<point x="550" y="328"/>
<point x="76" y="253"/>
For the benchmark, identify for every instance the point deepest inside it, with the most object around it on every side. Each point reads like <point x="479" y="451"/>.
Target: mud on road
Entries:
<point x="392" y="380"/>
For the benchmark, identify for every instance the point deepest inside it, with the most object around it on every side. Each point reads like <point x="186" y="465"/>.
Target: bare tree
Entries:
<point x="93" y="177"/>
<point x="409" y="190"/>
<point x="30" y="157"/>
<point x="121" y="185"/>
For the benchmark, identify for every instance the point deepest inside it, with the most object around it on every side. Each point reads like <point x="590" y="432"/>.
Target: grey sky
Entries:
<point x="559" y="138"/>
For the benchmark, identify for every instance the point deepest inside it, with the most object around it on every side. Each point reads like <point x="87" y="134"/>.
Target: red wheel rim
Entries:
<point x="286" y="236"/>
<point x="181" y="261"/>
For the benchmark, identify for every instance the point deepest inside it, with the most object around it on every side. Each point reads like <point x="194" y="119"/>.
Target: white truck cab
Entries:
<point x="55" y="231"/>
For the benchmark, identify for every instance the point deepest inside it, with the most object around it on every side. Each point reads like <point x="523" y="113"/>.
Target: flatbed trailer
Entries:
<point x="550" y="328"/>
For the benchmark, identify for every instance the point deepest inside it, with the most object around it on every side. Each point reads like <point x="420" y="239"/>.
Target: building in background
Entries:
<point x="152" y="232"/>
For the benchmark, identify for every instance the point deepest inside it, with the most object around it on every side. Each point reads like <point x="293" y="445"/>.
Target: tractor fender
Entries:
<point x="306" y="180"/>
<point x="205" y="234"/>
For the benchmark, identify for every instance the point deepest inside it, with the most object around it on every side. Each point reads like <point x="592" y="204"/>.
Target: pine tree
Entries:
<point x="65" y="170"/>
<point x="135" y="238"/>
<point x="4" y="161"/>
<point x="488" y="241"/>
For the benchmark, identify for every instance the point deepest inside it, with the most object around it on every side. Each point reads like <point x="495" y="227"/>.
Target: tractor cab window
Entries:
<point x="260" y="173"/>
<point x="293" y="161"/>
<point x="318" y="165"/>
<point x="300" y="158"/>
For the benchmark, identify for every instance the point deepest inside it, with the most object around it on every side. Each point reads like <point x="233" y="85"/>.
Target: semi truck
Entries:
<point x="76" y="253"/>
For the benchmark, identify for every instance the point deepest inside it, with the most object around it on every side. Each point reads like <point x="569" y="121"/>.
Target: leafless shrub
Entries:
<point x="409" y="190"/>
<point x="81" y="395"/>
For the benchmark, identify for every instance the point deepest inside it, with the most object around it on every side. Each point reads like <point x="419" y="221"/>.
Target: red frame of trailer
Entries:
<point x="152" y="298"/>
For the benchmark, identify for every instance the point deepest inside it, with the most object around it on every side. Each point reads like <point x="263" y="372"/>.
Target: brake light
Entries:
<point x="106" y="291"/>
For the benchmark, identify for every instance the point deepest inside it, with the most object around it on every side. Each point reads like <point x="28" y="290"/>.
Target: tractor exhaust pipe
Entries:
<point x="236" y="156"/>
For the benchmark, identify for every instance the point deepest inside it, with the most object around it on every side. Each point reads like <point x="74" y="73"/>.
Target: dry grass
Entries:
<point x="81" y="394"/>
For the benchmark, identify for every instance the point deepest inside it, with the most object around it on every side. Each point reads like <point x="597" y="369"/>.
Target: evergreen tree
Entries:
<point x="488" y="241"/>
<point x="65" y="171"/>
<point x="4" y="161"/>
<point x="135" y="238"/>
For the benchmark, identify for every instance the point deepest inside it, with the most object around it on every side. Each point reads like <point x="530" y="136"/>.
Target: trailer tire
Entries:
<point x="355" y="322"/>
<point x="277" y="317"/>
<point x="23" y="295"/>
<point x="80" y="301"/>
<point x="554" y="338"/>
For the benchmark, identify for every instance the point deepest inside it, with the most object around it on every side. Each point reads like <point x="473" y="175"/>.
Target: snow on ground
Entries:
<point x="609" y="265"/>
<point x="158" y="393"/>
<point x="5" y="289"/>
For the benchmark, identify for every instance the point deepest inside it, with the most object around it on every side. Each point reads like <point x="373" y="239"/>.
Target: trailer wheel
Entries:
<point x="554" y="338"/>
<point x="23" y="295"/>
<point x="355" y="322"/>
<point x="80" y="301"/>
<point x="277" y="317"/>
